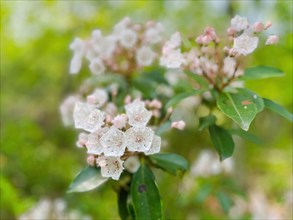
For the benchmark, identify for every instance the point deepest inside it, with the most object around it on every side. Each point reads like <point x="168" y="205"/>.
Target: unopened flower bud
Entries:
<point x="91" y="160"/>
<point x="231" y="31"/>
<point x="180" y="125"/>
<point x="82" y="139"/>
<point x="272" y="39"/>
<point x="155" y="104"/>
<point x="120" y="121"/>
<point x="132" y="164"/>
<point x="258" y="27"/>
<point x="268" y="25"/>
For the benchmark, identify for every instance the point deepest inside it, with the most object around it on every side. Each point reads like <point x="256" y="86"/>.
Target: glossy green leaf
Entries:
<point x="206" y="121"/>
<point x="246" y="135"/>
<point x="269" y="104"/>
<point x="145" y="195"/>
<point x="261" y="72"/>
<point x="241" y="107"/>
<point x="87" y="179"/>
<point x="199" y="79"/>
<point x="222" y="141"/>
<point x="122" y="204"/>
<point x="225" y="201"/>
<point x="172" y="163"/>
<point x="178" y="98"/>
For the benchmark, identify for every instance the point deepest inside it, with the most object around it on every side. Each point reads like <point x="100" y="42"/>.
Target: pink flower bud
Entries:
<point x="91" y="160"/>
<point x="180" y="125"/>
<point x="258" y="27"/>
<point x="268" y="25"/>
<point x="272" y="39"/>
<point x="82" y="139"/>
<point x="155" y="104"/>
<point x="231" y="31"/>
<point x="91" y="99"/>
<point x="109" y="119"/>
<point x="199" y="39"/>
<point x="127" y="99"/>
<point x="120" y="121"/>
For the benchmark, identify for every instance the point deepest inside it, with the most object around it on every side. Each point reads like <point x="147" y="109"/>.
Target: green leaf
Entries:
<point x="172" y="163"/>
<point x="206" y="121"/>
<point x="163" y="128"/>
<point x="87" y="179"/>
<point x="122" y="204"/>
<point x="225" y="201"/>
<point x="222" y="141"/>
<point x="245" y="135"/>
<point x="241" y="107"/>
<point x="145" y="195"/>
<point x="199" y="79"/>
<point x="178" y="98"/>
<point x="269" y="104"/>
<point x="261" y="72"/>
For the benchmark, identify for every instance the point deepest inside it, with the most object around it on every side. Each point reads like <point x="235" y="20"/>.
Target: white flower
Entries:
<point x="97" y="66"/>
<point x="272" y="39"/>
<point x="113" y="142"/>
<point x="110" y="166"/>
<point x="120" y="121"/>
<point x="155" y="147"/>
<point x="87" y="117"/>
<point x="172" y="59"/>
<point x="180" y="125"/>
<point x="132" y="164"/>
<point x="139" y="139"/>
<point x="108" y="46"/>
<point x="93" y="143"/>
<point x="174" y="42"/>
<point x="110" y="109"/>
<point x="128" y="38"/>
<point x="138" y="115"/>
<point x="75" y="64"/>
<point x="66" y="109"/>
<point x="82" y="139"/>
<point x="239" y="23"/>
<point x="152" y="35"/>
<point x="121" y="26"/>
<point x="98" y="98"/>
<point x="144" y="56"/>
<point x="229" y="66"/>
<point x="77" y="46"/>
<point x="97" y="36"/>
<point x="245" y="44"/>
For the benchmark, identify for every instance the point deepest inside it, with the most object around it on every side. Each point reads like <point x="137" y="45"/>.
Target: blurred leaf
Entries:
<point x="122" y="204"/>
<point x="203" y="192"/>
<point x="206" y="121"/>
<point x="87" y="179"/>
<point x="261" y="72"/>
<point x="269" y="104"/>
<point x="155" y="75"/>
<point x="199" y="79"/>
<point x="146" y="86"/>
<point x="241" y="107"/>
<point x="145" y="195"/>
<point x="163" y="128"/>
<point x="246" y="135"/>
<point x="172" y="163"/>
<point x="222" y="141"/>
<point x="225" y="201"/>
<point x="178" y="98"/>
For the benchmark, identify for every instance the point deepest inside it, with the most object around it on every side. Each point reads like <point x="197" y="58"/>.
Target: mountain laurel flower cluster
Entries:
<point x="219" y="65"/>
<point x="122" y="115"/>
<point x="129" y="47"/>
<point x="112" y="141"/>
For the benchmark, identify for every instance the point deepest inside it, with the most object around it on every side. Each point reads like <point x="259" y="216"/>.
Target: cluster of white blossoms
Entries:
<point x="208" y="59"/>
<point x="112" y="139"/>
<point x="128" y="47"/>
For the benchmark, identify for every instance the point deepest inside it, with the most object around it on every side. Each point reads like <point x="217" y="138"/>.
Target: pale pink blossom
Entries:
<point x="97" y="66"/>
<point x="172" y="59"/>
<point x="66" y="109"/>
<point x="239" y="23"/>
<point x="138" y="115"/>
<point x="113" y="142"/>
<point x="93" y="144"/>
<point x="98" y="98"/>
<point x="75" y="64"/>
<point x="155" y="103"/>
<point x="180" y="125"/>
<point x="139" y="139"/>
<point x="245" y="44"/>
<point x="128" y="38"/>
<point x="110" y="166"/>
<point x="144" y="56"/>
<point x="155" y="147"/>
<point x="272" y="39"/>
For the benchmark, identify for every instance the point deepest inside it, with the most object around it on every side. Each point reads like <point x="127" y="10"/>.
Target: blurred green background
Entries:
<point x="38" y="154"/>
